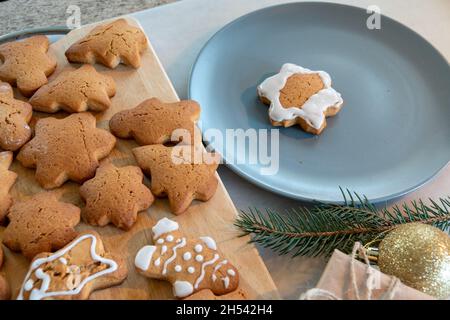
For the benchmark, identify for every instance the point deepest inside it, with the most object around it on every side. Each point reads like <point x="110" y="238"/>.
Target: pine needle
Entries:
<point x="325" y="227"/>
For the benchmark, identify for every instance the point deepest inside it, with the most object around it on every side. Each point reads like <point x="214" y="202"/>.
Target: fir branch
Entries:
<point x="325" y="227"/>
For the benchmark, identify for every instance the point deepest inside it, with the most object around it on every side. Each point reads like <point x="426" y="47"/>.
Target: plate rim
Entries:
<point x="236" y="169"/>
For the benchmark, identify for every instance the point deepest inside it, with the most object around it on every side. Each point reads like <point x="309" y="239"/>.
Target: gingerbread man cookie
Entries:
<point x="110" y="44"/>
<point x="73" y="272"/>
<point x="297" y="95"/>
<point x="190" y="265"/>
<point x="39" y="224"/>
<point x="7" y="180"/>
<point x="115" y="195"/>
<point x="182" y="173"/>
<point x="154" y="122"/>
<point x="66" y="149"/>
<point x="14" y="118"/>
<point x="75" y="91"/>
<point x="26" y="63"/>
<point x="5" y="292"/>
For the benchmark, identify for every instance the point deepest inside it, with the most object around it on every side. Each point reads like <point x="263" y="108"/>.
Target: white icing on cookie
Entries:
<point x="204" y="265"/>
<point x="231" y="272"/>
<point x="163" y="249"/>
<point x="187" y="256"/>
<point x="158" y="261"/>
<point x="226" y="282"/>
<point x="210" y="242"/>
<point x="191" y="270"/>
<point x="160" y="241"/>
<point x="164" y="226"/>
<point x="199" y="258"/>
<point x="198" y="248"/>
<point x="174" y="255"/>
<point x="214" y="277"/>
<point x="182" y="289"/>
<point x="41" y="293"/>
<point x="169" y="238"/>
<point x="28" y="285"/>
<point x="63" y="260"/>
<point x="178" y="268"/>
<point x="144" y="257"/>
<point x="312" y="110"/>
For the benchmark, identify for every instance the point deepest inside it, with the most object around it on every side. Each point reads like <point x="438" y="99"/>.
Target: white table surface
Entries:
<point x="178" y="31"/>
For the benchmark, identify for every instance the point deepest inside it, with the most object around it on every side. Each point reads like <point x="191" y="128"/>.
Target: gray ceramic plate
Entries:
<point x="393" y="133"/>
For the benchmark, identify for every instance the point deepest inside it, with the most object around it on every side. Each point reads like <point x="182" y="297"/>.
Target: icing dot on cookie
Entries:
<point x="231" y="272"/>
<point x="199" y="258"/>
<point x="163" y="249"/>
<point x="169" y="238"/>
<point x="28" y="285"/>
<point x="187" y="256"/>
<point x="191" y="270"/>
<point x="63" y="260"/>
<point x="178" y="240"/>
<point x="157" y="262"/>
<point x="198" y="248"/>
<point x="214" y="277"/>
<point x="160" y="241"/>
<point x="178" y="268"/>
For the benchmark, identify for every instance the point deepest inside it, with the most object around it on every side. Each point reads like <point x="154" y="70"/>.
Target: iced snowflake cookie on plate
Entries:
<point x="73" y="272"/>
<point x="297" y="95"/>
<point x="190" y="265"/>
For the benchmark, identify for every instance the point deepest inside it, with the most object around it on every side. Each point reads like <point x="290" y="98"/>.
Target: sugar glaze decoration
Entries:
<point x="36" y="270"/>
<point x="189" y="264"/>
<point x="312" y="110"/>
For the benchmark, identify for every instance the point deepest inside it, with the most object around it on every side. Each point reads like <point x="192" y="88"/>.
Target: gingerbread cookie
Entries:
<point x="115" y="195"/>
<point x="110" y="44"/>
<point x="26" y="64"/>
<point x="7" y="179"/>
<point x="190" y="265"/>
<point x="40" y="224"/>
<point x="183" y="173"/>
<point x="75" y="91"/>
<point x="5" y="292"/>
<point x="66" y="149"/>
<point x="207" y="294"/>
<point x="153" y="121"/>
<point x="73" y="272"/>
<point x="298" y="95"/>
<point x="14" y="118"/>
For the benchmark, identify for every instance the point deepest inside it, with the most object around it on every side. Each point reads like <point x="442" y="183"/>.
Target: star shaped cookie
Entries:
<point x="189" y="264"/>
<point x="115" y="195"/>
<point x="75" y="91"/>
<point x="7" y="179"/>
<point x="26" y="63"/>
<point x="153" y="121"/>
<point x="73" y="272"/>
<point x="110" y="44"/>
<point x="66" y="149"/>
<point x="297" y="95"/>
<point x="183" y="173"/>
<point x="14" y="118"/>
<point x="40" y="224"/>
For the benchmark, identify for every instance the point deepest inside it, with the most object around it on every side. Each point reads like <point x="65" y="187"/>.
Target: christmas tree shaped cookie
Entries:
<point x="75" y="91"/>
<point x="110" y="44"/>
<point x="26" y="63"/>
<point x="182" y="173"/>
<point x="154" y="122"/>
<point x="73" y="272"/>
<point x="190" y="265"/>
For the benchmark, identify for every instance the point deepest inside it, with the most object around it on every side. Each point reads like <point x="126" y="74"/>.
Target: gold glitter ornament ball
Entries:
<point x="419" y="255"/>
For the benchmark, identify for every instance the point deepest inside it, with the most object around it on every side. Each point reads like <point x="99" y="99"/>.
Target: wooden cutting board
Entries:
<point x="214" y="218"/>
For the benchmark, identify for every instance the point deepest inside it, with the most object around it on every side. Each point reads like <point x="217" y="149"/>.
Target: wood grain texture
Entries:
<point x="214" y="218"/>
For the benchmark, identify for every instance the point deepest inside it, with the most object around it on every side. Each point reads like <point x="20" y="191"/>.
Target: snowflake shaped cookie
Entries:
<point x="297" y="95"/>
